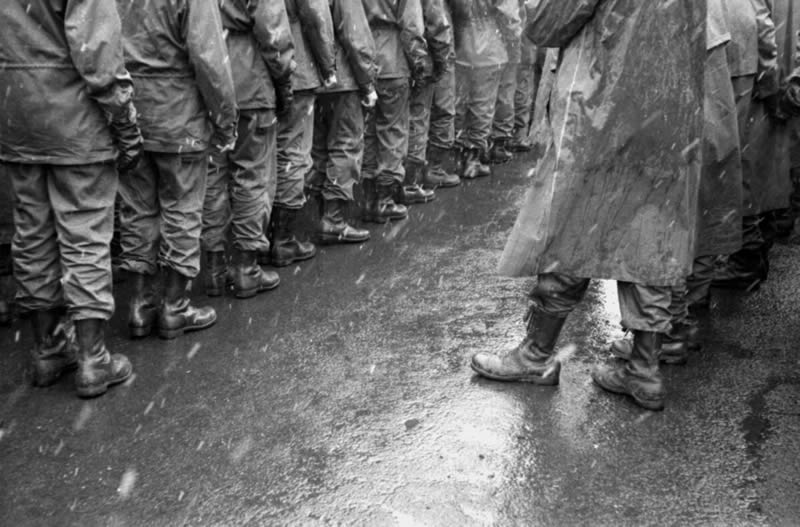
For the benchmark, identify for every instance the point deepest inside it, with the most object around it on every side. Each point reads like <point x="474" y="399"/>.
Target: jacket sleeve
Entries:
<point x="768" y="76"/>
<point x="274" y="36"/>
<point x="208" y="55"/>
<point x="554" y="23"/>
<point x="510" y="25"/>
<point x="354" y="35"/>
<point x="315" y="16"/>
<point x="438" y="31"/>
<point x="94" y="37"/>
<point x="412" y="36"/>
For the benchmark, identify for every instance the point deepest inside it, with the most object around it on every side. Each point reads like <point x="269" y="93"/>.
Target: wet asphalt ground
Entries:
<point x="345" y="397"/>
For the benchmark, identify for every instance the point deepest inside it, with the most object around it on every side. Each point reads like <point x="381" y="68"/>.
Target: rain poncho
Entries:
<point x="312" y="31"/>
<point x="260" y="48"/>
<point x="52" y="60"/>
<point x="355" y="47"/>
<point x="398" y="29"/>
<point x="487" y="31"/>
<point x="177" y="57"/>
<point x="615" y="195"/>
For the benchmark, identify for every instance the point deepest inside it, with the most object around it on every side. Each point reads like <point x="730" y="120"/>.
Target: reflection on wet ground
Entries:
<point x="345" y="398"/>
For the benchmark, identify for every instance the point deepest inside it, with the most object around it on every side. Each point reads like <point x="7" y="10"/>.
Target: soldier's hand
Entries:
<point x="789" y="100"/>
<point x="284" y="99"/>
<point x="117" y="105"/>
<point x="329" y="81"/>
<point x="369" y="97"/>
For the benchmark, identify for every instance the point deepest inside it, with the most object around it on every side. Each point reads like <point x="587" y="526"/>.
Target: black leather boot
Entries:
<point x="177" y="315"/>
<point x="639" y="376"/>
<point x="532" y="360"/>
<point x="97" y="368"/>
<point x="499" y="154"/>
<point x="384" y="209"/>
<point x="471" y="166"/>
<point x="249" y="278"/>
<point x="744" y="270"/>
<point x="411" y="192"/>
<point x="334" y="229"/>
<point x="436" y="175"/>
<point x="6" y="300"/>
<point x="286" y="248"/>
<point x="143" y="304"/>
<point x="54" y="349"/>
<point x="683" y="338"/>
<point x="216" y="273"/>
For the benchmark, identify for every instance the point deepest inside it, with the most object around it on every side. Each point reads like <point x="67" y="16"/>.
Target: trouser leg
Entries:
<point x="557" y="294"/>
<point x="503" y="123"/>
<point x="37" y="260"/>
<point x="139" y="212"/>
<point x="645" y="308"/>
<point x="344" y="144"/>
<point x="475" y="105"/>
<point x="419" y="122"/>
<point x="181" y="191"/>
<point x="441" y="132"/>
<point x="391" y="131"/>
<point x="294" y="152"/>
<point x="217" y="204"/>
<point x="523" y="98"/>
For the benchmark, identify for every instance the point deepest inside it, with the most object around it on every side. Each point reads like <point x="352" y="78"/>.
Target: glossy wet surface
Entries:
<point x="345" y="397"/>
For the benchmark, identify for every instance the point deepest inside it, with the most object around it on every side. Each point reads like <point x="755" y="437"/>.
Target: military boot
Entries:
<point x="54" y="349"/>
<point x="334" y="229"/>
<point x="471" y="166"/>
<point x="520" y="142"/>
<point x="177" y="315"/>
<point x="499" y="154"/>
<point x="383" y="209"/>
<point x="249" y="278"/>
<point x="436" y="175"/>
<point x="637" y="377"/>
<point x="286" y="248"/>
<point x="216" y="273"/>
<point x="411" y="192"/>
<point x="6" y="313"/>
<point x="683" y="338"/>
<point x="6" y="300"/>
<point x="532" y="360"/>
<point x="744" y="270"/>
<point x="143" y="304"/>
<point x="97" y="368"/>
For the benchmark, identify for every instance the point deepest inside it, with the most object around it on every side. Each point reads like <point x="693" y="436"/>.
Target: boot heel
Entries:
<point x="140" y="332"/>
<point x="170" y="334"/>
<point x="246" y="293"/>
<point x="92" y="391"/>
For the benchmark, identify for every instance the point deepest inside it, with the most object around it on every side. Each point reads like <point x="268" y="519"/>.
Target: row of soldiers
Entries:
<point x="199" y="128"/>
<point x="673" y="138"/>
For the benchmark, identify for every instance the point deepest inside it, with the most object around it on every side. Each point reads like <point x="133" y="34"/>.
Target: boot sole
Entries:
<point x="290" y="261"/>
<point x="250" y="293"/>
<point x="93" y="391"/>
<point x="533" y="379"/>
<point x="331" y="239"/>
<point x="438" y="186"/>
<point x="170" y="334"/>
<point x="655" y="406"/>
<point x="140" y="333"/>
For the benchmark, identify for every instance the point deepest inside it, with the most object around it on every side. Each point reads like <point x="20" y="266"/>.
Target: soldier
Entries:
<point x="486" y="33"/>
<point x="312" y="29"/>
<point x="67" y="112"/>
<point x="504" y="113"/>
<point x="241" y="182"/>
<point x="615" y="198"/>
<point x="338" y="144"/>
<point x="439" y="38"/>
<point x="398" y="29"/>
<point x="753" y="62"/>
<point x="180" y="67"/>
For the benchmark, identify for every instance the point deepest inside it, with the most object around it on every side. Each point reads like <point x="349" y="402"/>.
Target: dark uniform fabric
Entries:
<point x="312" y="30"/>
<point x="56" y="149"/>
<point x="185" y="93"/>
<point x="432" y="104"/>
<point x="616" y="194"/>
<point x="398" y="30"/>
<point x="242" y="182"/>
<point x="503" y="125"/>
<point x="529" y="73"/>
<point x="338" y="143"/>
